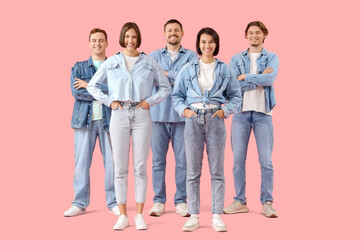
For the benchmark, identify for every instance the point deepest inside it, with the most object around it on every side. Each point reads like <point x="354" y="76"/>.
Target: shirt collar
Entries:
<point x="264" y="52"/>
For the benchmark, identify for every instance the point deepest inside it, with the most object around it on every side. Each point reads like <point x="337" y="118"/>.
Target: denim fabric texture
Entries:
<point x="261" y="124"/>
<point x="226" y="89"/>
<point x="82" y="111"/>
<point x="164" y="112"/>
<point x="135" y="124"/>
<point x="84" y="143"/>
<point x="199" y="131"/>
<point x="133" y="86"/>
<point x="241" y="63"/>
<point x="161" y="136"/>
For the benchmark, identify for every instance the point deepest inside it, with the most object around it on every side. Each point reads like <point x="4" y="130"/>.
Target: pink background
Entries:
<point x="316" y="121"/>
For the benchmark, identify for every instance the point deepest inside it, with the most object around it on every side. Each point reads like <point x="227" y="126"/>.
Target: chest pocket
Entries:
<point x="114" y="73"/>
<point x="192" y="86"/>
<point x="263" y="66"/>
<point x="146" y="71"/>
<point x="241" y="67"/>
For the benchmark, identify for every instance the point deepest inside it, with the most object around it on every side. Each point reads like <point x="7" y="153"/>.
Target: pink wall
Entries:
<point x="316" y="121"/>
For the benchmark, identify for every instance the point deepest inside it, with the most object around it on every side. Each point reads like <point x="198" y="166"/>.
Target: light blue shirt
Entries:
<point x="226" y="89"/>
<point x="164" y="112"/>
<point x="241" y="63"/>
<point x="133" y="86"/>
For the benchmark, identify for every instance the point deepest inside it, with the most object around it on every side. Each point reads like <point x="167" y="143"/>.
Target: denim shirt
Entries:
<point x="241" y="63"/>
<point x="82" y="112"/>
<point x="226" y="88"/>
<point x="134" y="86"/>
<point x="164" y="112"/>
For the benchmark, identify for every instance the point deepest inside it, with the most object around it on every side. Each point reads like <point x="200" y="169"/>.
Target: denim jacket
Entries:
<point x="164" y="112"/>
<point x="226" y="88"/>
<point x="134" y="86"/>
<point x="82" y="112"/>
<point x="241" y="63"/>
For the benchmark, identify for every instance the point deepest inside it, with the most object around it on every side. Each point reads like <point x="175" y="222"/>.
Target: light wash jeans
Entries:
<point x="84" y="144"/>
<point x="262" y="126"/>
<point x="161" y="136"/>
<point x="198" y="131"/>
<point x="135" y="124"/>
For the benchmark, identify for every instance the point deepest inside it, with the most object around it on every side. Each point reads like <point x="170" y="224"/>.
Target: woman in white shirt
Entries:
<point x="130" y="76"/>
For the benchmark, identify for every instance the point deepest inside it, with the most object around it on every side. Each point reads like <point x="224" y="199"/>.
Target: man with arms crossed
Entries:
<point x="90" y="121"/>
<point x="167" y="125"/>
<point x="256" y="70"/>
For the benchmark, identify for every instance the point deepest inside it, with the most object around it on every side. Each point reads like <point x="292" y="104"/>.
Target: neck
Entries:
<point x="100" y="57"/>
<point x="131" y="53"/>
<point x="207" y="59"/>
<point x="173" y="48"/>
<point x="256" y="49"/>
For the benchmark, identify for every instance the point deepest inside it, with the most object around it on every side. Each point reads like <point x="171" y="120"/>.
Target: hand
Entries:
<point x="189" y="113"/>
<point x="220" y="113"/>
<point x="166" y="73"/>
<point x="241" y="77"/>
<point x="144" y="104"/>
<point x="114" y="105"/>
<point x="80" y="84"/>
<point x="268" y="70"/>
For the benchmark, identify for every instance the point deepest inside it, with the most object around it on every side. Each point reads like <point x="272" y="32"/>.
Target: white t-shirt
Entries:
<point x="97" y="106"/>
<point x="173" y="55"/>
<point x="130" y="61"/>
<point x="254" y="100"/>
<point x="206" y="80"/>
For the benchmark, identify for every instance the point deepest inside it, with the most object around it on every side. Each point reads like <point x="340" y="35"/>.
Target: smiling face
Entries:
<point x="255" y="36"/>
<point x="98" y="43"/>
<point x="130" y="39"/>
<point x="207" y="45"/>
<point x="173" y="33"/>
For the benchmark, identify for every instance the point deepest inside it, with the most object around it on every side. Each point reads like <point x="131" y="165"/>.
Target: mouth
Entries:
<point x="130" y="45"/>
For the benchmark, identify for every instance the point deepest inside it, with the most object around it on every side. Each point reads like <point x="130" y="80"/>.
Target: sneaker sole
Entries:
<point x="81" y="213"/>
<point x="183" y="214"/>
<point x="191" y="229"/>
<point x="270" y="216"/>
<point x="120" y="229"/>
<point x="156" y="214"/>
<point x="237" y="211"/>
<point x="219" y="229"/>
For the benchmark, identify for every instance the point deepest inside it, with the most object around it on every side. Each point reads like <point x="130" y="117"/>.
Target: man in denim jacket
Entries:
<point x="256" y="69"/>
<point x="167" y="125"/>
<point x="90" y="121"/>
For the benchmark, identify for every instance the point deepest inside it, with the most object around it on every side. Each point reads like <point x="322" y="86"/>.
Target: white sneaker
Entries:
<point x="191" y="224"/>
<point x="218" y="224"/>
<point x="236" y="207"/>
<point x="182" y="210"/>
<point x="140" y="222"/>
<point x="268" y="210"/>
<point x="115" y="210"/>
<point x="74" y="211"/>
<point x="121" y="223"/>
<point x="157" y="209"/>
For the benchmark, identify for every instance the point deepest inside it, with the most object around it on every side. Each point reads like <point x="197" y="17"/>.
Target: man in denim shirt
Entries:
<point x="90" y="121"/>
<point x="167" y="125"/>
<point x="256" y="69"/>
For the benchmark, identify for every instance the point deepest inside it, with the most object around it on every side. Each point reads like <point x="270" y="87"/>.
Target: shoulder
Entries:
<point x="223" y="67"/>
<point x="238" y="57"/>
<point x="271" y="56"/>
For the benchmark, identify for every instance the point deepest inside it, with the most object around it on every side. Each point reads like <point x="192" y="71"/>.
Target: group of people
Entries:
<point x="172" y="95"/>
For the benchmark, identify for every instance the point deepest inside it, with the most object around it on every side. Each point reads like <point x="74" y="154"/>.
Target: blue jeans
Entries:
<point x="198" y="131"/>
<point x="84" y="144"/>
<point x="262" y="126"/>
<point x="161" y="136"/>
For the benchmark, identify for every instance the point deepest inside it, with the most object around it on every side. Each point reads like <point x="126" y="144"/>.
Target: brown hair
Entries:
<point x="258" y="24"/>
<point x="173" y="21"/>
<point x="95" y="30"/>
<point x="211" y="32"/>
<point x="125" y="28"/>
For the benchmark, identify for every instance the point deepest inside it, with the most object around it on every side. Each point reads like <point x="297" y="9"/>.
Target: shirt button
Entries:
<point x="88" y="115"/>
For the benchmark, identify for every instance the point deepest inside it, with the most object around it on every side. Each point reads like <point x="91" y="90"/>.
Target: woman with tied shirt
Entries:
<point x="202" y="87"/>
<point x="130" y="76"/>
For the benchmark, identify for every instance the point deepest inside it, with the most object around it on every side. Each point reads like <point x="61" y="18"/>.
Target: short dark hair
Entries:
<point x="211" y="32"/>
<point x="95" y="30"/>
<point x="258" y="24"/>
<point x="173" y="21"/>
<point x="125" y="28"/>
